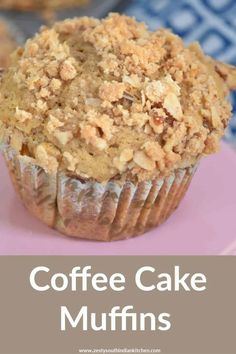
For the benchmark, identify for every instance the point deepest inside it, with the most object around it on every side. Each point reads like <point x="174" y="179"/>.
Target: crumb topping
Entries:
<point x="107" y="98"/>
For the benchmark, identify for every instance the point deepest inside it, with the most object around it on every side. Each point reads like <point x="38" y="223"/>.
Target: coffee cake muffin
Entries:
<point x="7" y="45"/>
<point x="103" y="124"/>
<point x="40" y="4"/>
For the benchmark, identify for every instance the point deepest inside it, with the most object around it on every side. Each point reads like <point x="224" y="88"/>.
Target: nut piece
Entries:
<point x="53" y="124"/>
<point x="156" y="121"/>
<point x="105" y="123"/>
<point x="173" y="106"/>
<point x="98" y="131"/>
<point x="155" y="91"/>
<point x="137" y="119"/>
<point x="67" y="70"/>
<point x="70" y="161"/>
<point x="126" y="155"/>
<point x="171" y="85"/>
<point x="22" y="115"/>
<point x="121" y="162"/>
<point x="156" y="153"/>
<point x="90" y="134"/>
<point x="143" y="161"/>
<point x="111" y="91"/>
<point x="52" y="68"/>
<point x="63" y="137"/>
<point x="55" y="85"/>
<point x="154" y="150"/>
<point x="46" y="156"/>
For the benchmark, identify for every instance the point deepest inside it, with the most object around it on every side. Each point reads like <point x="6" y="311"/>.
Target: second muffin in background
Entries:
<point x="104" y="122"/>
<point x="7" y="44"/>
<point x="40" y="4"/>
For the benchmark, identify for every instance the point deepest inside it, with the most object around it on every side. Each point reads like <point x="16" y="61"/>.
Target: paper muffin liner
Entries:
<point x="93" y="210"/>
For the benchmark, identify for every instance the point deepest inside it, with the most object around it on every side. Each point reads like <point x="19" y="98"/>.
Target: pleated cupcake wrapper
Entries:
<point x="93" y="210"/>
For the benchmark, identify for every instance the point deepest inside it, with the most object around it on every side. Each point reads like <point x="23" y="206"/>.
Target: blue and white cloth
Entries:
<point x="211" y="22"/>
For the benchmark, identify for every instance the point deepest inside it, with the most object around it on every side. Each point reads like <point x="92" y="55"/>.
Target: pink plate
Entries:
<point x="204" y="224"/>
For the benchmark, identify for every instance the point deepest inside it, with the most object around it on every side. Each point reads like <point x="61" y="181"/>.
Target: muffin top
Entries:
<point x="108" y="99"/>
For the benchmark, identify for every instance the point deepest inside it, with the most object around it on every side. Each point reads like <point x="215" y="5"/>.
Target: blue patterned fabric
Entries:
<point x="211" y="22"/>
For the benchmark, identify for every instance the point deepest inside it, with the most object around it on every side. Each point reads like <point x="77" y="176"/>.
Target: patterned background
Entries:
<point x="211" y="22"/>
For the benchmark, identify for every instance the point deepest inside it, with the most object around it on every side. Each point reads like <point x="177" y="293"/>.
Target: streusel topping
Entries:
<point x="105" y="98"/>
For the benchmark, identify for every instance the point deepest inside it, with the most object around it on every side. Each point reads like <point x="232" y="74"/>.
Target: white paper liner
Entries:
<point x="92" y="210"/>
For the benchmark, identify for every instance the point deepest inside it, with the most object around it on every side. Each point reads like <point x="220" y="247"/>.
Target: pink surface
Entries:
<point x="204" y="224"/>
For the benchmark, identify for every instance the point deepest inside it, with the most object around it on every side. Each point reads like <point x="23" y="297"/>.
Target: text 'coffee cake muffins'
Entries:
<point x="103" y="124"/>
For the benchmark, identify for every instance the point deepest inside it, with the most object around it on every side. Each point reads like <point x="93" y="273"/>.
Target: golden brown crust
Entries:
<point x="101" y="98"/>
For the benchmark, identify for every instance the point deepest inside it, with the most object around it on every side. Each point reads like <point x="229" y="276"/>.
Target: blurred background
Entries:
<point x="211" y="22"/>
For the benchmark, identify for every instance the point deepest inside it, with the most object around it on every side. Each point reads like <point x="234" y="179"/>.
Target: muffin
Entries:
<point x="7" y="45"/>
<point x="103" y="124"/>
<point x="40" y="4"/>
